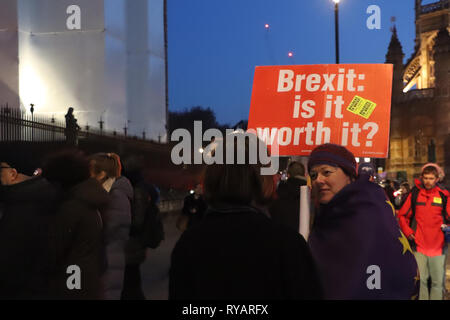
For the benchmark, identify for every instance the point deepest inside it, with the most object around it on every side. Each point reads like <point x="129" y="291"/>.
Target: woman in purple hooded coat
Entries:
<point x="355" y="240"/>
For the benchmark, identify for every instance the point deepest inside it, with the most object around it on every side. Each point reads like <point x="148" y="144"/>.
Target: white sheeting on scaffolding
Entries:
<point x="9" y="51"/>
<point x="112" y="68"/>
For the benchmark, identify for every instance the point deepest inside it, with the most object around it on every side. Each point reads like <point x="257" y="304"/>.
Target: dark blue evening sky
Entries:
<point x="214" y="46"/>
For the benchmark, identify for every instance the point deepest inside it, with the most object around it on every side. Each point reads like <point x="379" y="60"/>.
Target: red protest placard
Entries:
<point x="297" y="108"/>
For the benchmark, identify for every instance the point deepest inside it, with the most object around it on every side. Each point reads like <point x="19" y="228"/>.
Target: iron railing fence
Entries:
<point x="17" y="125"/>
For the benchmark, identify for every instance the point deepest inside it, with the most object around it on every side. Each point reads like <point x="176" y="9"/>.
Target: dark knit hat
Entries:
<point x="333" y="155"/>
<point x="19" y="160"/>
<point x="366" y="168"/>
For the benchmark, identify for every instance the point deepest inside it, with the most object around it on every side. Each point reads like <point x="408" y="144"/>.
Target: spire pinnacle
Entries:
<point x="395" y="50"/>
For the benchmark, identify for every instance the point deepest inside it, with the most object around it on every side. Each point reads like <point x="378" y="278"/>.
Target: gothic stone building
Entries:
<point x="420" y="121"/>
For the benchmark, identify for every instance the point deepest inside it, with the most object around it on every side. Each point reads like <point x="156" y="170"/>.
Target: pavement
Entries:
<point x="447" y="279"/>
<point x="155" y="270"/>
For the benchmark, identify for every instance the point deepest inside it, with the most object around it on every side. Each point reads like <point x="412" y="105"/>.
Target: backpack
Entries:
<point x="150" y="229"/>
<point x="414" y="194"/>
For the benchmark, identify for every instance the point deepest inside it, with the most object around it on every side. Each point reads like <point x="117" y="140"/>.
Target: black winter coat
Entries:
<point x="194" y="208"/>
<point x="239" y="253"/>
<point x="286" y="209"/>
<point x="77" y="232"/>
<point x="26" y="209"/>
<point x="145" y="196"/>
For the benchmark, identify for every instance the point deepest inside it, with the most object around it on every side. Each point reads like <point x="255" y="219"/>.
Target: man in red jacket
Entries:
<point x="422" y="226"/>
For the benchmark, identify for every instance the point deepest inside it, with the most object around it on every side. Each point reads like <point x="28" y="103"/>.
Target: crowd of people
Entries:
<point x="240" y="235"/>
<point x="71" y="229"/>
<point x="363" y="243"/>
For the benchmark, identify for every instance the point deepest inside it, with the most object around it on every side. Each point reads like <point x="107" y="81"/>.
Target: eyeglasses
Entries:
<point x="326" y="172"/>
<point x="5" y="167"/>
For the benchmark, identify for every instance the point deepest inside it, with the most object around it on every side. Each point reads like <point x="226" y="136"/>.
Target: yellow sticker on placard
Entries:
<point x="362" y="107"/>
<point x="437" y="200"/>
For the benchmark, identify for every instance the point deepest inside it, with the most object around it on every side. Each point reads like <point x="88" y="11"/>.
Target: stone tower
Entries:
<point x="420" y="118"/>
<point x="395" y="56"/>
<point x="441" y="91"/>
<point x="419" y="70"/>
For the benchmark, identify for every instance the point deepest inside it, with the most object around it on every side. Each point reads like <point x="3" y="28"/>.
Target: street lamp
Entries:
<point x="336" y="28"/>
<point x="101" y="122"/>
